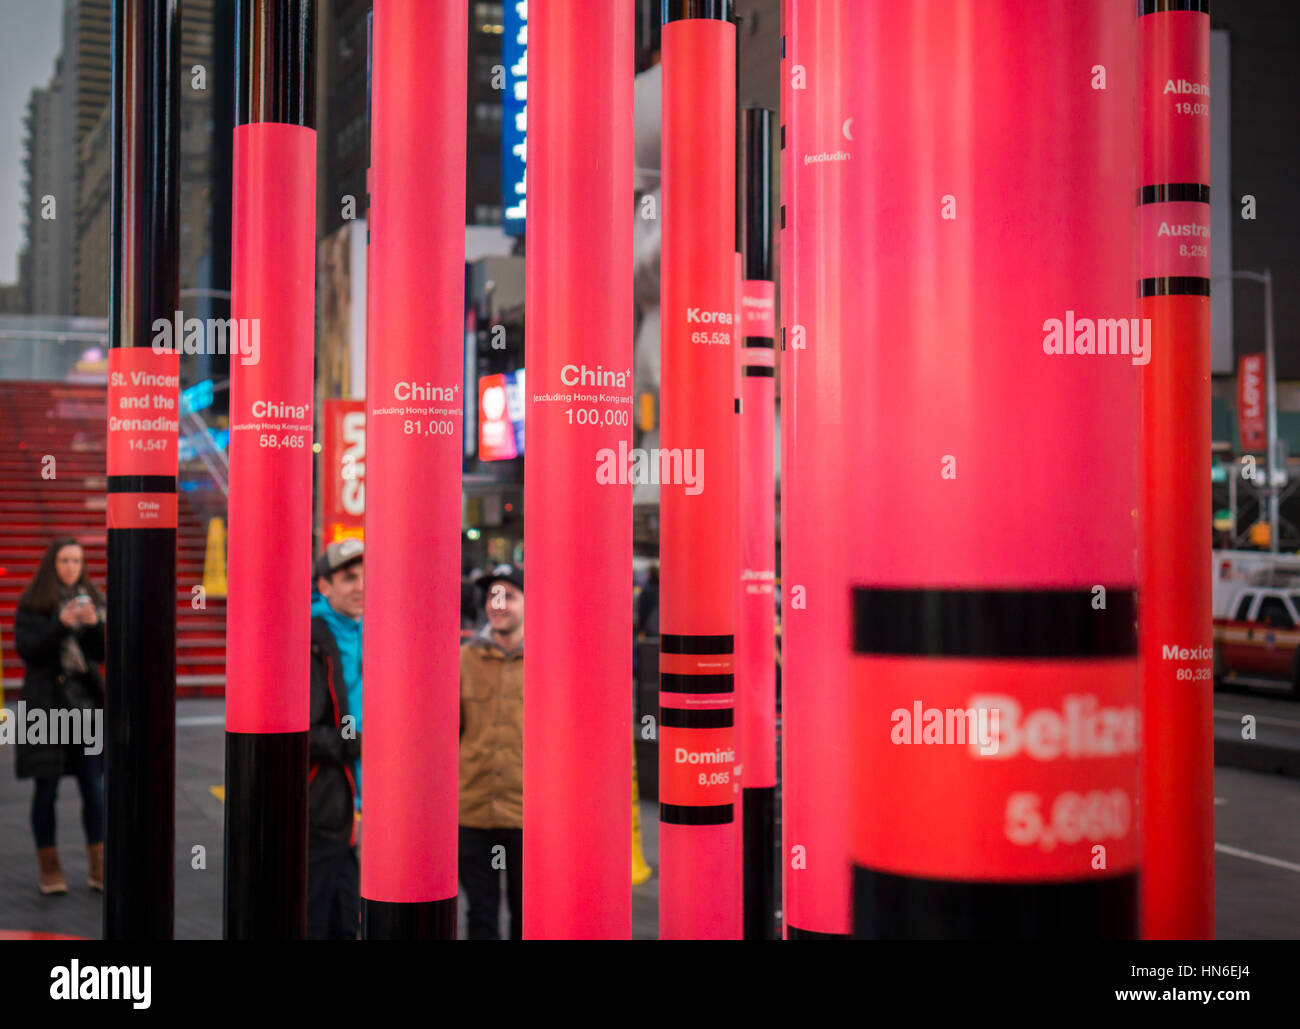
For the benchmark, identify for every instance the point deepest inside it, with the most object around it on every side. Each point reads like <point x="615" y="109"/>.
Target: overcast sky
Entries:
<point x="30" y="37"/>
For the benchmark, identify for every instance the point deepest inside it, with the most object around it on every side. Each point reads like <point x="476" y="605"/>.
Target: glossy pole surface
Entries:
<point x="1176" y="631"/>
<point x="578" y="533"/>
<point x="578" y="539"/>
<point x="995" y="718"/>
<point x="415" y="425"/>
<point x="268" y="609"/>
<point x="699" y="866"/>
<point x="140" y="684"/>
<point x="755" y="603"/>
<point x="814" y="619"/>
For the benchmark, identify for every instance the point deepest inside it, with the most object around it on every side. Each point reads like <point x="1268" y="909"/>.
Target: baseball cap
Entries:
<point x="503" y="573"/>
<point x="336" y="555"/>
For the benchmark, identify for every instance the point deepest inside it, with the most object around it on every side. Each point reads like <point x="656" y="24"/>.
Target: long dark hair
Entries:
<point x="42" y="593"/>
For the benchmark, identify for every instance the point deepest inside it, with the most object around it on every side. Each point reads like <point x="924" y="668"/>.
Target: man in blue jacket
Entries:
<point x="333" y="873"/>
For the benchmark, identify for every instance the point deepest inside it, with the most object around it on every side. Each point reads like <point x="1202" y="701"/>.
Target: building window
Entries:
<point x="487" y="18"/>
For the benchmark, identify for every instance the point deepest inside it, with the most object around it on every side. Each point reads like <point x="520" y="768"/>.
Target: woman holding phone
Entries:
<point x="59" y="634"/>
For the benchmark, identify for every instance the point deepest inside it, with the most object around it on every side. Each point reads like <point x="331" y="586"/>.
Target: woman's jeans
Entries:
<point x="89" y="773"/>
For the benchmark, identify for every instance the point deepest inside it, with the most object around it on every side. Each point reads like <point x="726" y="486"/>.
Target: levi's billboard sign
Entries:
<point x="1251" y="410"/>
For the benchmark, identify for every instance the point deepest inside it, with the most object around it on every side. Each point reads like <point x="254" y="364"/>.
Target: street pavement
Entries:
<point x="1257" y="849"/>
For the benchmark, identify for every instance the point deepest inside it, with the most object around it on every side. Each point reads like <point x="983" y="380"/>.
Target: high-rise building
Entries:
<point x="94" y="215"/>
<point x="50" y="207"/>
<point x="199" y="72"/>
<point x="342" y="118"/>
<point x="483" y="199"/>
<point x="87" y="80"/>
<point x="342" y="123"/>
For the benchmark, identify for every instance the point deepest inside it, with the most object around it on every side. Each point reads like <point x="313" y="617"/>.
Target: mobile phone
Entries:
<point x="82" y="598"/>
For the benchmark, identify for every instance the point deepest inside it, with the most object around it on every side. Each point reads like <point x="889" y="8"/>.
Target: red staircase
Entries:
<point x="67" y="422"/>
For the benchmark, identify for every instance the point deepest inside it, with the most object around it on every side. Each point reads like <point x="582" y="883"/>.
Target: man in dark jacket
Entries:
<point x="333" y="873"/>
<point x="492" y="758"/>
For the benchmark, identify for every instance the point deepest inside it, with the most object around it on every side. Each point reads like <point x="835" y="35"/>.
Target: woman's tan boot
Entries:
<point x="52" y="880"/>
<point x="95" y="858"/>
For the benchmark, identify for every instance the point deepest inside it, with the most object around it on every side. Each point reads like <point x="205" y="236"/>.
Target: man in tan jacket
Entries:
<point x="492" y="757"/>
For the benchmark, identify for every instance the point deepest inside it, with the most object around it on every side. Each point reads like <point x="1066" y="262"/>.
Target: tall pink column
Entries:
<point x="577" y="493"/>
<point x="756" y="514"/>
<point x="992" y="423"/>
<point x="1174" y="287"/>
<point x="414" y="376"/>
<point x="268" y="618"/>
<point x="699" y="869"/>
<point x="814" y="616"/>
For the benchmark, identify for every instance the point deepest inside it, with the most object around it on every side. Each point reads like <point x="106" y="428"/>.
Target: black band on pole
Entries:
<point x="1169" y="192"/>
<point x="141" y="484"/>
<point x="1010" y="623"/>
<point x="275" y="67"/>
<point x="140" y="663"/>
<point x="681" y="10"/>
<point x="1165" y="6"/>
<point x="677" y="644"/>
<point x="904" y="907"/>
<point x="703" y="718"/>
<point x="758" y="815"/>
<point x="680" y="682"/>
<point x="795" y="933"/>
<point x="1174" y="286"/>
<point x="706" y="814"/>
<point x="430" y="920"/>
<point x="759" y="192"/>
<point x="266" y="813"/>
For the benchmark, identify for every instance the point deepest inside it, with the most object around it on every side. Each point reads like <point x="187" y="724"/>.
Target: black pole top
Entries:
<point x="144" y="215"/>
<point x="276" y="62"/>
<point x="756" y="125"/>
<point x="680" y="10"/>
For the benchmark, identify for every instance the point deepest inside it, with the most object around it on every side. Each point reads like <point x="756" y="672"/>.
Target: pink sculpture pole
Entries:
<point x="699" y="869"/>
<point x="577" y="493"/>
<point x="814" y="581"/>
<point x="414" y="375"/>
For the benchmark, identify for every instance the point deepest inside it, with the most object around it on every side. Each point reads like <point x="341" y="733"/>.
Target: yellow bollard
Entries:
<point x="214" y="560"/>
<point x="641" y="872"/>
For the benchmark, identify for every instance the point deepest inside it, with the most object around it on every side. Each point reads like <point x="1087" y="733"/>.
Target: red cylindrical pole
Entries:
<point x="414" y="423"/>
<point x="755" y="602"/>
<point x="814" y="619"/>
<point x="696" y="468"/>
<point x="993" y="420"/>
<point x="738" y="282"/>
<point x="577" y="493"/>
<point x="1176" y="633"/>
<point x="268" y="620"/>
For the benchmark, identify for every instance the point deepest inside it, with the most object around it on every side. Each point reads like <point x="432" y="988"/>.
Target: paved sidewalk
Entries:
<point x="199" y="824"/>
<point x="1257" y="828"/>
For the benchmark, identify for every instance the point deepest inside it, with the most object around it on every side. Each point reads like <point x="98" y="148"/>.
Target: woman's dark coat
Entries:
<point x="38" y="639"/>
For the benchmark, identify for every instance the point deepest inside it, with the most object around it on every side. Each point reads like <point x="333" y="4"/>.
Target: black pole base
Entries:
<point x="760" y="862"/>
<point x="140" y="726"/>
<point x="795" y="933"/>
<point x="426" y="920"/>
<point x="266" y="836"/>
<point x="902" y="907"/>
